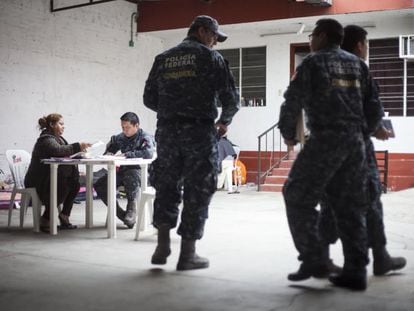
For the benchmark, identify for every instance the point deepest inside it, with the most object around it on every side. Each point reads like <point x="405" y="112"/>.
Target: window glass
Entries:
<point x="388" y="70"/>
<point x="248" y="66"/>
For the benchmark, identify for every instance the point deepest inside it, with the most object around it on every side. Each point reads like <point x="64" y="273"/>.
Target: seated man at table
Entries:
<point x="133" y="142"/>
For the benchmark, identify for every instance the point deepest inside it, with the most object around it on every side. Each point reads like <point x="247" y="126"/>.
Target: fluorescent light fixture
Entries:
<point x="301" y="29"/>
<point x="281" y="33"/>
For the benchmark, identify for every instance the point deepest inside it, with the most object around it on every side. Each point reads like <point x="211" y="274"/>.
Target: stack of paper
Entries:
<point x="96" y="150"/>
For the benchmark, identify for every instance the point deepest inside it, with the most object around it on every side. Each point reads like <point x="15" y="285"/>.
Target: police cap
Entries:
<point x="209" y="23"/>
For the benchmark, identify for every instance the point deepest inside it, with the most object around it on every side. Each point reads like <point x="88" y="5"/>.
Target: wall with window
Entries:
<point x="394" y="76"/>
<point x="391" y="82"/>
<point x="248" y="66"/>
<point x="252" y="121"/>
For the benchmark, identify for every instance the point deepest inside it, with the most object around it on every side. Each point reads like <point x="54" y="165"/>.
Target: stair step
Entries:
<point x="271" y="188"/>
<point x="286" y="164"/>
<point x="281" y="171"/>
<point x="275" y="179"/>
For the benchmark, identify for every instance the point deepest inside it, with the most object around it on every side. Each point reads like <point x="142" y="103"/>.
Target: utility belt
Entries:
<point x="343" y="128"/>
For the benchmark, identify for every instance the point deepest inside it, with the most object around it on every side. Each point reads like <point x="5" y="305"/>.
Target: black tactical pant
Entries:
<point x="129" y="177"/>
<point x="375" y="222"/>
<point x="334" y="164"/>
<point x="186" y="167"/>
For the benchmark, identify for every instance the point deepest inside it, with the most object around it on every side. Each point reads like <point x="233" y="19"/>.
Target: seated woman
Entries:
<point x="51" y="144"/>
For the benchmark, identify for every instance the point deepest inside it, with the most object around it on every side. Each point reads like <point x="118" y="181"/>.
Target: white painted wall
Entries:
<point x="76" y="62"/>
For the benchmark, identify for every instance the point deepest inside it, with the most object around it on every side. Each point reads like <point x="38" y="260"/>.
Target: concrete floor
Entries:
<point x="250" y="251"/>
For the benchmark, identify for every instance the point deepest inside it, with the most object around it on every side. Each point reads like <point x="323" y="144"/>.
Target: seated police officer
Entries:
<point x="225" y="152"/>
<point x="133" y="142"/>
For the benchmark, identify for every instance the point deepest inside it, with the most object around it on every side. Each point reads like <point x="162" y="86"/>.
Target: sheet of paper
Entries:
<point x="97" y="149"/>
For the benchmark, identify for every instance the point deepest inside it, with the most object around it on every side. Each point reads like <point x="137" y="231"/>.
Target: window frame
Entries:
<point x="403" y="98"/>
<point x="240" y="69"/>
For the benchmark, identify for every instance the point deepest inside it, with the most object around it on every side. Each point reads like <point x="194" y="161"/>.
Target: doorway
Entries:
<point x="298" y="52"/>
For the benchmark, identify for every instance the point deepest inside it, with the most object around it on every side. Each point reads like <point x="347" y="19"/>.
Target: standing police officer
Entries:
<point x="183" y="87"/>
<point x="338" y="95"/>
<point x="355" y="41"/>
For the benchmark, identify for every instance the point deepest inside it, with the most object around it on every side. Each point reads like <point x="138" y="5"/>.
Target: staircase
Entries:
<point x="400" y="174"/>
<point x="275" y="180"/>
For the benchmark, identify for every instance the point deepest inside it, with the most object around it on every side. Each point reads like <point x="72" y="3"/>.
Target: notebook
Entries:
<point x="388" y="125"/>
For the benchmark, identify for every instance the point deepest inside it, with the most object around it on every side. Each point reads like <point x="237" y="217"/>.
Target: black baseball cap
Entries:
<point x="209" y="23"/>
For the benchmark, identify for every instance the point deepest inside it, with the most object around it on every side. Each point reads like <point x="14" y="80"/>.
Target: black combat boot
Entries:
<point x="131" y="214"/>
<point x="384" y="263"/>
<point x="163" y="249"/>
<point x="357" y="281"/>
<point x="320" y="270"/>
<point x="188" y="259"/>
<point x="332" y="268"/>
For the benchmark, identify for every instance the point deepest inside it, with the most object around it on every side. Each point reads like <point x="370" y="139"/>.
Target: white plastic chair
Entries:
<point x="145" y="209"/>
<point x="227" y="165"/>
<point x="233" y="172"/>
<point x="145" y="203"/>
<point x="19" y="161"/>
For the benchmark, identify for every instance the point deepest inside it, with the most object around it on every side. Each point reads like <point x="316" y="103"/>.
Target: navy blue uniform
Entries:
<point x="338" y="96"/>
<point x="375" y="222"/>
<point x="184" y="87"/>
<point x="140" y="145"/>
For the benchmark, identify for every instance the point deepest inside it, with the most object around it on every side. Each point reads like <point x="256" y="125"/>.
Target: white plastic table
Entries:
<point x="111" y="163"/>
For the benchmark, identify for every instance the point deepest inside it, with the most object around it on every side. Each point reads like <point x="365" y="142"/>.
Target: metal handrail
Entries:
<point x="273" y="161"/>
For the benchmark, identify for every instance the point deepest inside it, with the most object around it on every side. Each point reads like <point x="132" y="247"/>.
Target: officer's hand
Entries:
<point x="382" y="133"/>
<point x="221" y="129"/>
<point x="290" y="142"/>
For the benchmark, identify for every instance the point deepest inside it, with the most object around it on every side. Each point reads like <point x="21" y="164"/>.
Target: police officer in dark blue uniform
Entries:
<point x="183" y="87"/>
<point x="338" y="96"/>
<point x="355" y="41"/>
<point x="133" y="142"/>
